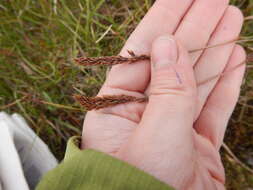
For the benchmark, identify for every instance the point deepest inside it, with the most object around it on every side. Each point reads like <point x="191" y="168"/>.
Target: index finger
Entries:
<point x="163" y="18"/>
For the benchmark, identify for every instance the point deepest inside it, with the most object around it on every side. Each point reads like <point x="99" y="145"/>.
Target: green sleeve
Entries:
<point x="92" y="170"/>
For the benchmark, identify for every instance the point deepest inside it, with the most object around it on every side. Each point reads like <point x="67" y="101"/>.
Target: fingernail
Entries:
<point x="164" y="52"/>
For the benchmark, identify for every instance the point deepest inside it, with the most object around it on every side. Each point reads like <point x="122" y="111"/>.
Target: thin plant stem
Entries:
<point x="114" y="60"/>
<point x="59" y="106"/>
<point x="237" y="160"/>
<point x="14" y="103"/>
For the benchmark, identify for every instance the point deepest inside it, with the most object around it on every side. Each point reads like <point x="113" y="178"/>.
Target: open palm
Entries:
<point x="195" y="24"/>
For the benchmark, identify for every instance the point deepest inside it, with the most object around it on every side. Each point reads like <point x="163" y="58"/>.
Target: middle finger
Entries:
<point x="199" y="23"/>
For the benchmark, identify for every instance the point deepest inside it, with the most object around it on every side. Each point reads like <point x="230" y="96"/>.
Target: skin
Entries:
<point x="177" y="135"/>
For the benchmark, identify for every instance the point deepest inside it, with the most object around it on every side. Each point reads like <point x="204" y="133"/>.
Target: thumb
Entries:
<point x="173" y="85"/>
<point x="173" y="94"/>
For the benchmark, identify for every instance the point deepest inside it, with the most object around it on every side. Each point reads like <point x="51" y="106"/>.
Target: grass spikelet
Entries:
<point x="96" y="103"/>
<point x="111" y="60"/>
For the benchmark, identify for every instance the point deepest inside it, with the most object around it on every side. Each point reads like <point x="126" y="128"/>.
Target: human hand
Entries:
<point x="165" y="142"/>
<point x="109" y="129"/>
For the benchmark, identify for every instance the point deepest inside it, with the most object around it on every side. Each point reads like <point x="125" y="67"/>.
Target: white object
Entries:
<point x="24" y="157"/>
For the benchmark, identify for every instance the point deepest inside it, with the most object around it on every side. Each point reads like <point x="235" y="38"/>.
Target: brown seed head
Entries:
<point x="95" y="103"/>
<point x="111" y="60"/>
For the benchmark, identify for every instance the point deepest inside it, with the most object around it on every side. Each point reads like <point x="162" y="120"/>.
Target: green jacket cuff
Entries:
<point x="92" y="170"/>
